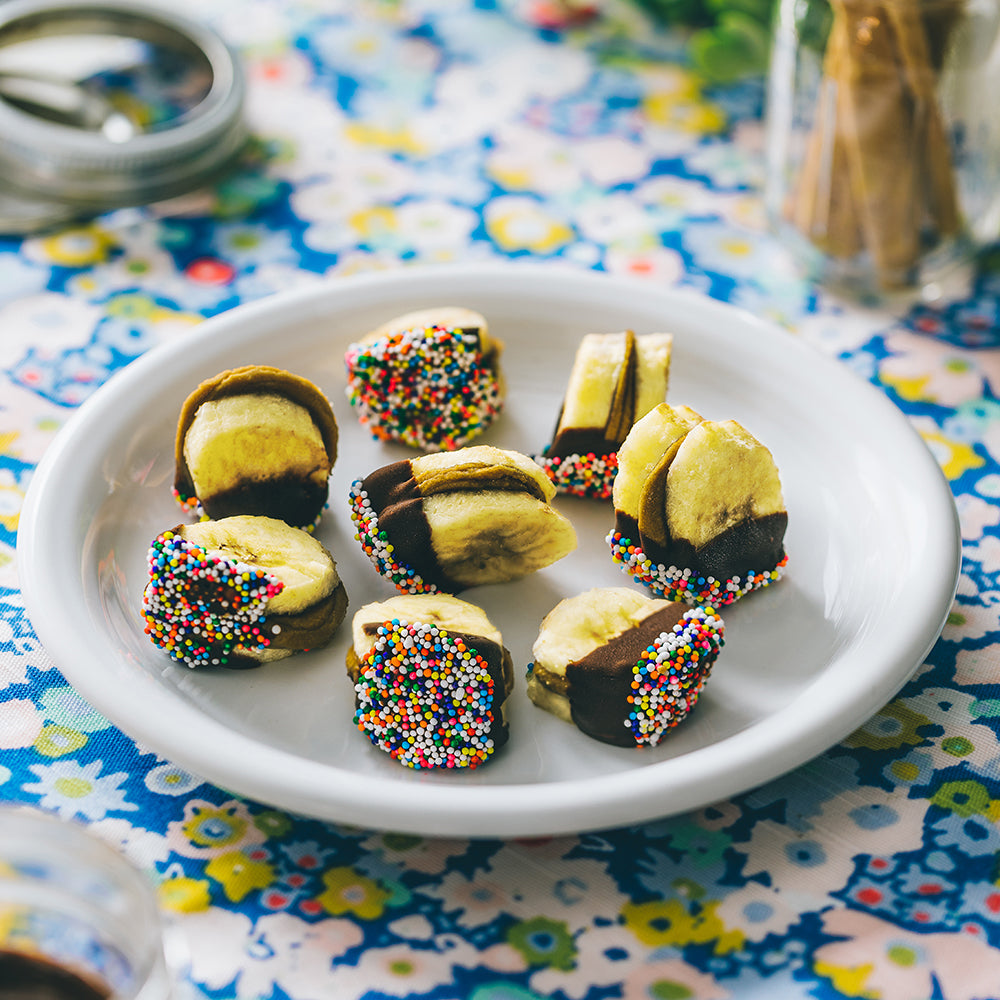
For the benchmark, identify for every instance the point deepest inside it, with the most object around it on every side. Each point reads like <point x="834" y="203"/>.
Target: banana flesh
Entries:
<point x="653" y="439"/>
<point x="252" y="438"/>
<point x="304" y="567"/>
<point x="623" y="667"/>
<point x="454" y="520"/>
<point x="699" y="510"/>
<point x="256" y="440"/>
<point x="431" y="678"/>
<point x="616" y="379"/>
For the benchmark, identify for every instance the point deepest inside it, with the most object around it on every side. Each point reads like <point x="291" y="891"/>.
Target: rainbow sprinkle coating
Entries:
<point x="670" y="674"/>
<point x="425" y="697"/>
<point x="378" y="549"/>
<point x="191" y="505"/>
<point x="426" y="386"/>
<point x="588" y="475"/>
<point x="199" y="606"/>
<point x="676" y="584"/>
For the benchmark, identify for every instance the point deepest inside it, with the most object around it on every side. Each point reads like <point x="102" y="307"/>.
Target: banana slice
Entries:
<point x="255" y="440"/>
<point x="624" y="668"/>
<point x="430" y="378"/>
<point x="240" y="591"/>
<point x="699" y="511"/>
<point x="455" y="520"/>
<point x="616" y="379"/>
<point x="431" y="679"/>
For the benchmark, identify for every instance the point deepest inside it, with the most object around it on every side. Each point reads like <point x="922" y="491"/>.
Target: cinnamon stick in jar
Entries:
<point x="877" y="174"/>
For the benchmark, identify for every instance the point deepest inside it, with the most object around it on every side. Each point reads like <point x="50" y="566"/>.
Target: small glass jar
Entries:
<point x="883" y="138"/>
<point x="77" y="920"/>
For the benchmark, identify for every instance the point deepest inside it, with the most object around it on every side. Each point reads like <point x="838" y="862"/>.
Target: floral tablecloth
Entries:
<point x="421" y="131"/>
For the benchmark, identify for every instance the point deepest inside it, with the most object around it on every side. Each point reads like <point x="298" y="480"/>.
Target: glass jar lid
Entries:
<point x="108" y="104"/>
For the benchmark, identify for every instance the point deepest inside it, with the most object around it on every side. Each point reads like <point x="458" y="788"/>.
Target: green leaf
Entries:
<point x="737" y="47"/>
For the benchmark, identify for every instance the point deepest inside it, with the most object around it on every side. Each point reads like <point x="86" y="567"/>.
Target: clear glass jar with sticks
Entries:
<point x="883" y="138"/>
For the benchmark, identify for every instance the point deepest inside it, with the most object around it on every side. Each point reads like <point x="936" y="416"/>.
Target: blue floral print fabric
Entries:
<point x="391" y="134"/>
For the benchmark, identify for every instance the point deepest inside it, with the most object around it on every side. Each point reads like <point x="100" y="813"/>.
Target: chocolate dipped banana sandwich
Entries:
<point x="699" y="511"/>
<point x="431" y="678"/>
<point x="622" y="667"/>
<point x="453" y="520"/>
<point x="430" y="378"/>
<point x="255" y="440"/>
<point x="616" y="379"/>
<point x="240" y="591"/>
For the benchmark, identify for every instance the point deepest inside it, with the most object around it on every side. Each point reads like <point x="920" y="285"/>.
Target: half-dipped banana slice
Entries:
<point x="459" y="519"/>
<point x="616" y="379"/>
<point x="624" y="668"/>
<point x="255" y="440"/>
<point x="431" y="678"/>
<point x="240" y="591"/>
<point x="699" y="512"/>
<point x="429" y="378"/>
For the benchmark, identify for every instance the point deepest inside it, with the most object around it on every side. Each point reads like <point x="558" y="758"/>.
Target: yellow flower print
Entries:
<point x="954" y="457"/>
<point x="850" y="982"/>
<point x="54" y="741"/>
<point x="11" y="501"/>
<point x="348" y="891"/>
<point x="892" y="727"/>
<point x="239" y="874"/>
<point x="393" y="140"/>
<point x="214" y="827"/>
<point x="518" y="223"/>
<point x="675" y="101"/>
<point x="375" y="223"/>
<point x="78" y="247"/>
<point x="670" y="922"/>
<point x="184" y="895"/>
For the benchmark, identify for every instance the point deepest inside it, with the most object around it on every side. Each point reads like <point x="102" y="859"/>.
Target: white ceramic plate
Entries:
<point x="872" y="540"/>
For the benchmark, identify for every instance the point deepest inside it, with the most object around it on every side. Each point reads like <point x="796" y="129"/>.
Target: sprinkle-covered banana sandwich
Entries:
<point x="255" y="440"/>
<point x="430" y="379"/>
<point x="453" y="520"/>
<point x="616" y="379"/>
<point x="699" y="512"/>
<point x="431" y="678"/>
<point x="240" y="591"/>
<point x="624" y="668"/>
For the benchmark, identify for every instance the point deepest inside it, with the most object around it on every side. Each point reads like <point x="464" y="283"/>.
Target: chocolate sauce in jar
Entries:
<point x="33" y="977"/>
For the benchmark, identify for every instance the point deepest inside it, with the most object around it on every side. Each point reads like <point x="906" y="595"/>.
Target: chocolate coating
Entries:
<point x="289" y="499"/>
<point x="621" y="415"/>
<point x="600" y="682"/>
<point x="249" y="380"/>
<point x="398" y="504"/>
<point x="754" y="544"/>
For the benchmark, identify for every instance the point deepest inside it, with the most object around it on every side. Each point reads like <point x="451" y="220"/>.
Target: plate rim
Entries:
<point x="545" y="808"/>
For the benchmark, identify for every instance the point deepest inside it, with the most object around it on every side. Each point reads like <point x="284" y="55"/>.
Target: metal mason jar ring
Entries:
<point x="85" y="169"/>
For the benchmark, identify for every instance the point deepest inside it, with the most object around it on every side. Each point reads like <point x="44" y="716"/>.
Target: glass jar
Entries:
<point x="883" y="137"/>
<point x="77" y="920"/>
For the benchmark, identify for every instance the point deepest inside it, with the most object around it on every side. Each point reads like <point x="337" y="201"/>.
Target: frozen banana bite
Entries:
<point x="240" y="591"/>
<point x="255" y="440"/>
<point x="459" y="519"/>
<point x="699" y="511"/>
<point x="431" y="678"/>
<point x="616" y="379"/>
<point x="622" y="667"/>
<point x="430" y="379"/>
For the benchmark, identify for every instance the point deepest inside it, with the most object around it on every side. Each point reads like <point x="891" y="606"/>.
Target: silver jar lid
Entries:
<point x="67" y="147"/>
